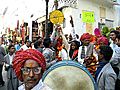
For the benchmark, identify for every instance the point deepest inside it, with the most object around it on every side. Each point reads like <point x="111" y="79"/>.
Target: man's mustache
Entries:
<point x="31" y="79"/>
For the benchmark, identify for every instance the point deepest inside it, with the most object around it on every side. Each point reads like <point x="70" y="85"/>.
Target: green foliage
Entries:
<point x="106" y="31"/>
<point x="55" y="0"/>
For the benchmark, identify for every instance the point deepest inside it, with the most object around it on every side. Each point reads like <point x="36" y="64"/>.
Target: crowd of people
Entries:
<point x="25" y="63"/>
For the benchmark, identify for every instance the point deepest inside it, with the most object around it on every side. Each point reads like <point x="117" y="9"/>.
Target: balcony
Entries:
<point x="66" y="3"/>
<point x="107" y="2"/>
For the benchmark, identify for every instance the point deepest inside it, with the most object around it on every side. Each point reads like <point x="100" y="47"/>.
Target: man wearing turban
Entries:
<point x="85" y="53"/>
<point x="102" y="41"/>
<point x="29" y="66"/>
<point x="85" y="39"/>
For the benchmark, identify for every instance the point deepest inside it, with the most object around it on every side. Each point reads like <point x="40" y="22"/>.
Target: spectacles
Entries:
<point x="12" y="48"/>
<point x="26" y="70"/>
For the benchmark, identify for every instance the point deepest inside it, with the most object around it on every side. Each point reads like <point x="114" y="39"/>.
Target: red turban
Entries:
<point x="103" y="40"/>
<point x="22" y="56"/>
<point x="86" y="36"/>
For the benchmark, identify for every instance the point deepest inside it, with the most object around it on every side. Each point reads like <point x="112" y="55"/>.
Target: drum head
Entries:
<point x="68" y="75"/>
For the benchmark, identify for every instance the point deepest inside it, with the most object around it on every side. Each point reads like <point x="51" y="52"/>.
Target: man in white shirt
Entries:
<point x="86" y="49"/>
<point x="26" y="45"/>
<point x="113" y="35"/>
<point x="12" y="81"/>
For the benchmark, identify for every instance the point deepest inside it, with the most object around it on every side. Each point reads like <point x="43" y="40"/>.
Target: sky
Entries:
<point x="13" y="10"/>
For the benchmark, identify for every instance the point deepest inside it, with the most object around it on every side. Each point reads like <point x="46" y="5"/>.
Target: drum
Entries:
<point x="69" y="75"/>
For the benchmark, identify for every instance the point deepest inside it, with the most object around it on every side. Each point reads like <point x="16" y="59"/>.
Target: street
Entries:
<point x="5" y="79"/>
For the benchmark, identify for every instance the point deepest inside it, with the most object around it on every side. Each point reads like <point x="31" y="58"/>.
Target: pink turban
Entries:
<point x="22" y="56"/>
<point x="103" y="40"/>
<point x="97" y="32"/>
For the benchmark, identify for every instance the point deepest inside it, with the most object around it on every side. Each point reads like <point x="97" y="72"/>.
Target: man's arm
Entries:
<point x="3" y="51"/>
<point x="110" y="80"/>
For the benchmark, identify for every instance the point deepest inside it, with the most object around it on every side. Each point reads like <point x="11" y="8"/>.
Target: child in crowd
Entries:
<point x="74" y="47"/>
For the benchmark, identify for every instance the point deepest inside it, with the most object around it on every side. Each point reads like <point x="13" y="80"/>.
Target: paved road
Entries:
<point x="4" y="73"/>
<point x="3" y="88"/>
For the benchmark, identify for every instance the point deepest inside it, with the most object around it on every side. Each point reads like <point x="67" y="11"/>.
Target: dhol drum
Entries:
<point x="69" y="75"/>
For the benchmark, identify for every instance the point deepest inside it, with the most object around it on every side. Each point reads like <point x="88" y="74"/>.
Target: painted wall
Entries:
<point x="117" y="16"/>
<point x="87" y="5"/>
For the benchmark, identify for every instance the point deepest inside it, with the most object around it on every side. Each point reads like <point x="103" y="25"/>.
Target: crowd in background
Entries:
<point x="95" y="52"/>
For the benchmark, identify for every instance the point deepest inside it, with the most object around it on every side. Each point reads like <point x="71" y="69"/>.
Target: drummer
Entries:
<point x="29" y="66"/>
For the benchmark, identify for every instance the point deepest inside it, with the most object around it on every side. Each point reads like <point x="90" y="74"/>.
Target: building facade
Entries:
<point x="89" y="14"/>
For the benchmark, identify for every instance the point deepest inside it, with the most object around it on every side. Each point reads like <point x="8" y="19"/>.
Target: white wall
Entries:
<point x="117" y="16"/>
<point x="89" y="6"/>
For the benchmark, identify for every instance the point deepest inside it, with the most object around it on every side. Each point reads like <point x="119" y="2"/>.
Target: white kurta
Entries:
<point x="79" y="54"/>
<point x="39" y="86"/>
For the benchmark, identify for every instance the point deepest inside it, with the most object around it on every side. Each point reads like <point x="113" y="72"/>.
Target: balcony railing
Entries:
<point x="70" y="3"/>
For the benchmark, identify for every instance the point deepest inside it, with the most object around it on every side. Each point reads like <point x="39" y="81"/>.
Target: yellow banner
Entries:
<point x="88" y="17"/>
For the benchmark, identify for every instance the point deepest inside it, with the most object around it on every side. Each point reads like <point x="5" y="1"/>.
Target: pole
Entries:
<point x="56" y="4"/>
<point x="46" y="22"/>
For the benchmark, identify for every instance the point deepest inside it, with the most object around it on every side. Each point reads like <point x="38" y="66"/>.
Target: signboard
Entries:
<point x="56" y="17"/>
<point x="88" y="17"/>
<point x="89" y="28"/>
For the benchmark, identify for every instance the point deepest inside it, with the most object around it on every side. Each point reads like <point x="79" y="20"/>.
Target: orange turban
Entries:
<point x="86" y="36"/>
<point x="22" y="56"/>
